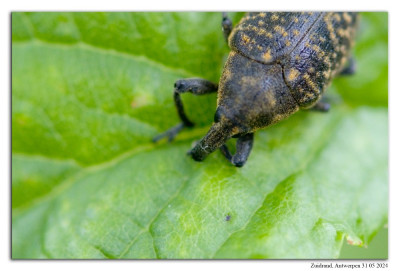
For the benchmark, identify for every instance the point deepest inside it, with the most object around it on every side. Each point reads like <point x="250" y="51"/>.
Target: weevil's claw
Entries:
<point x="170" y="133"/>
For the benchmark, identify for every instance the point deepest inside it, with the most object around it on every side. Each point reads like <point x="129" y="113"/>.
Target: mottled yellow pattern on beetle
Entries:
<point x="337" y="17"/>
<point x="327" y="74"/>
<point x="347" y="17"/>
<point x="312" y="47"/>
<point x="279" y="29"/>
<point x="293" y="74"/>
<point x="274" y="17"/>
<point x="235" y="130"/>
<point x="331" y="29"/>
<point x="318" y="50"/>
<point x="345" y="33"/>
<point x="246" y="39"/>
<point x="267" y="55"/>
<point x="310" y="83"/>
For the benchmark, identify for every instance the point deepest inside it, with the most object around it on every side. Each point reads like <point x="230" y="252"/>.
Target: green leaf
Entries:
<point x="90" y="90"/>
<point x="370" y="84"/>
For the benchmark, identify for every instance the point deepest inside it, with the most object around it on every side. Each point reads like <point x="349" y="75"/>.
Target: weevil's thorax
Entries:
<point x="252" y="95"/>
<point x="312" y="47"/>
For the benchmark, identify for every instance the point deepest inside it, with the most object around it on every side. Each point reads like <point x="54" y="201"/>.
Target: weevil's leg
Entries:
<point x="226" y="25"/>
<point x="244" y="145"/>
<point x="225" y="151"/>
<point x="350" y="69"/>
<point x="195" y="86"/>
<point x="321" y="107"/>
<point x="170" y="133"/>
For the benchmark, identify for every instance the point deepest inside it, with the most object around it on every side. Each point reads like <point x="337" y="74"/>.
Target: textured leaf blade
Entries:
<point x="184" y="206"/>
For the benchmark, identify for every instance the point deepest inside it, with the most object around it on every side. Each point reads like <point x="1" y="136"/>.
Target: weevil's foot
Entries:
<point x="321" y="107"/>
<point x="226" y="25"/>
<point x="170" y="133"/>
<point x="350" y="69"/>
<point x="226" y="22"/>
<point x="236" y="160"/>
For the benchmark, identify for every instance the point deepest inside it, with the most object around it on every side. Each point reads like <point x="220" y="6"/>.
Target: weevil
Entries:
<point x="279" y="63"/>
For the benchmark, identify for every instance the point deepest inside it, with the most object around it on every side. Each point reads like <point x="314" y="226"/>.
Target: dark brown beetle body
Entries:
<point x="279" y="62"/>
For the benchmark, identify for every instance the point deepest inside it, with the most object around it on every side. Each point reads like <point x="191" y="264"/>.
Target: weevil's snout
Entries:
<point x="218" y="134"/>
<point x="197" y="155"/>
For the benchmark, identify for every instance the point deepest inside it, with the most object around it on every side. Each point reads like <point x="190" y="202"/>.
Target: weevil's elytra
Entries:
<point x="279" y="62"/>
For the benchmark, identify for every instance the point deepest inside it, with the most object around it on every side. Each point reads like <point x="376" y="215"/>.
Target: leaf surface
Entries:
<point x="90" y="90"/>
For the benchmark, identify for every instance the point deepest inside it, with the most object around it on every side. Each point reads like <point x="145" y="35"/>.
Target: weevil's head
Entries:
<point x="252" y="95"/>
